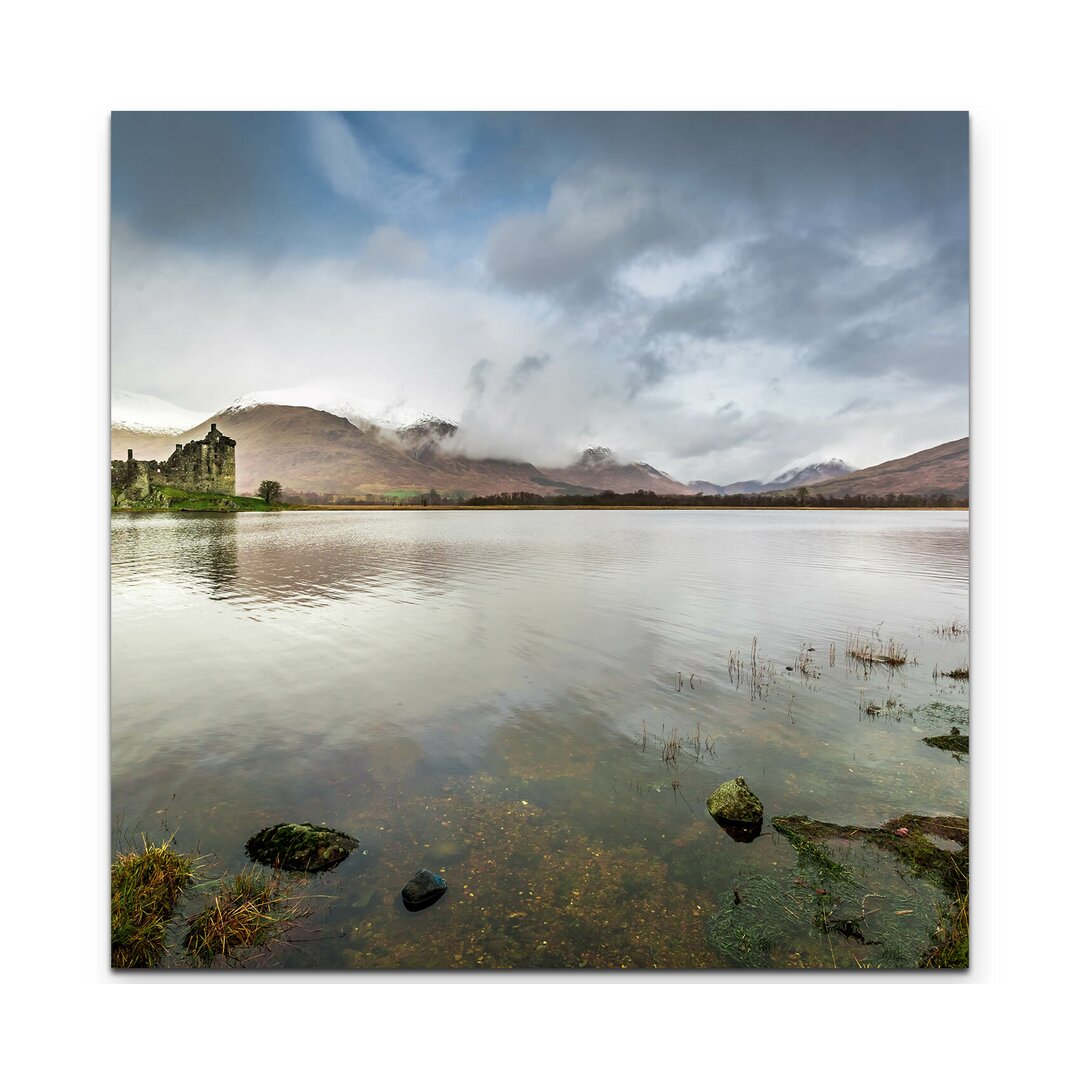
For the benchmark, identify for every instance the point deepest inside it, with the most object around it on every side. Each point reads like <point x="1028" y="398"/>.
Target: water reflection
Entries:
<point x="257" y="562"/>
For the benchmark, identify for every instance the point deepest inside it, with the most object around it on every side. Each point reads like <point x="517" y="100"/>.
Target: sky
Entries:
<point x="722" y="295"/>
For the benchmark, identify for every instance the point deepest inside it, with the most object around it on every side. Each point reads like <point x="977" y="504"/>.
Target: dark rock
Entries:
<point x="300" y="847"/>
<point x="422" y="890"/>
<point x="735" y="803"/>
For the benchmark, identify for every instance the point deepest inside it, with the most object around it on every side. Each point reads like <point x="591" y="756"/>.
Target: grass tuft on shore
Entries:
<point x="147" y="887"/>
<point x="247" y="913"/>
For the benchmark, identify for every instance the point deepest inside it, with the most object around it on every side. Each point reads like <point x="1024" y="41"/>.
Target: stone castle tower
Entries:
<point x="207" y="464"/>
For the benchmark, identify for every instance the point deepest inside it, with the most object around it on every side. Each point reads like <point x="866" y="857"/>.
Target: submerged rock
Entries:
<point x="422" y="890"/>
<point x="954" y="742"/>
<point x="300" y="847"/>
<point x="734" y="802"/>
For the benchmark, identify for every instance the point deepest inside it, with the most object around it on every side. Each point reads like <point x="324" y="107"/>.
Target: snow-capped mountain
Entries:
<point x="804" y="476"/>
<point x="153" y="415"/>
<point x="813" y="474"/>
<point x="362" y="412"/>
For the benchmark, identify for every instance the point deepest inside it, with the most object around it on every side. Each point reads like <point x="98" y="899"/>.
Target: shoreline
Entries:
<point x="285" y="508"/>
<point x="842" y="509"/>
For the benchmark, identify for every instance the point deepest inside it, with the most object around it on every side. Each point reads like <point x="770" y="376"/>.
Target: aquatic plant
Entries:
<point x="892" y="707"/>
<point x="804" y="663"/>
<point x="942" y="712"/>
<point x="759" y="673"/>
<point x="955" y="743"/>
<point x="930" y="847"/>
<point x="866" y="652"/>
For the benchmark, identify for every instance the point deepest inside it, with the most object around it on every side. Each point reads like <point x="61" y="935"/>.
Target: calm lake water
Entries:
<point x="489" y="695"/>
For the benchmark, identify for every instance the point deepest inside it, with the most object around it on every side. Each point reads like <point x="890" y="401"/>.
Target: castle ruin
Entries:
<point x="204" y="465"/>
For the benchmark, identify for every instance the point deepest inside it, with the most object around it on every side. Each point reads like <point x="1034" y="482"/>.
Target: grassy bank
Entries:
<point x="171" y="498"/>
<point x="241" y="917"/>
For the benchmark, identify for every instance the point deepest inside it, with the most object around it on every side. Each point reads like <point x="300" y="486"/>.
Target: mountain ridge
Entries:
<point x="316" y="452"/>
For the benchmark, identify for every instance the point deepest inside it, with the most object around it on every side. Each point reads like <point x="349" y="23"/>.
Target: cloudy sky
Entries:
<point x="723" y="295"/>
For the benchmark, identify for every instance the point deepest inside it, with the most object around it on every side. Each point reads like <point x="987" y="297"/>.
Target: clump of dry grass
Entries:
<point x="960" y="673"/>
<point x="759" y="673"/>
<point x="147" y="887"/>
<point x="954" y="629"/>
<point x="868" y="652"/>
<point x="804" y="663"/>
<point x="246" y="914"/>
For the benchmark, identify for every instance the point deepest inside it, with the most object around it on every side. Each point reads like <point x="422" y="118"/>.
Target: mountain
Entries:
<point x="147" y="415"/>
<point x="307" y="450"/>
<point x="599" y="469"/>
<point x="806" y="476"/>
<point x="424" y="439"/>
<point x="940" y="470"/>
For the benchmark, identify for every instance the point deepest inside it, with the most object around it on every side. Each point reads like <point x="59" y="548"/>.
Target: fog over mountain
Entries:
<point x="719" y="295"/>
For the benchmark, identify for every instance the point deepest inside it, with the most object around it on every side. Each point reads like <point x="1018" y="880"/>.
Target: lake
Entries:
<point x="537" y="704"/>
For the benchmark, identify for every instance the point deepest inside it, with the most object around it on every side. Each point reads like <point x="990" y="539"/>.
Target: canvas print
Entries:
<point x="539" y="541"/>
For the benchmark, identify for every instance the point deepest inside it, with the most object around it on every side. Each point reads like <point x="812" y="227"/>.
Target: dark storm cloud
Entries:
<point x="815" y="292"/>
<point x="524" y="370"/>
<point x="799" y="190"/>
<point x="703" y="311"/>
<point x="867" y="167"/>
<point x="216" y="179"/>
<point x="886" y="346"/>
<point x="647" y="369"/>
<point x="595" y="222"/>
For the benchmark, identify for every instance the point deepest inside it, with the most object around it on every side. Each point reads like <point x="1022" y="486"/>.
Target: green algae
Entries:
<point x="845" y="905"/>
<point x="942" y="712"/>
<point x="955" y="744"/>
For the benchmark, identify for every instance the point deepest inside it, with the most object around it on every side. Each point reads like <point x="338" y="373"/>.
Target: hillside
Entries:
<point x="941" y="469"/>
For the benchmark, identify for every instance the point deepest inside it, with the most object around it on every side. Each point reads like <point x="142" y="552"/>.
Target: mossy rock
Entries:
<point x="734" y="801"/>
<point x="300" y="847"/>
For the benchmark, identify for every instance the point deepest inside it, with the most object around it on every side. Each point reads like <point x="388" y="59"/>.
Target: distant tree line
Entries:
<point x="802" y="497"/>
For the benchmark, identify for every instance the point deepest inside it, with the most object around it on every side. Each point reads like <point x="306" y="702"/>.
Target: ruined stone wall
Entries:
<point x="204" y="464"/>
<point x="132" y="480"/>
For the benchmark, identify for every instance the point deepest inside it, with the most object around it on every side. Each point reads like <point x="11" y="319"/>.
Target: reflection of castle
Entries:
<point x="207" y="465"/>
